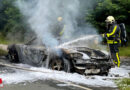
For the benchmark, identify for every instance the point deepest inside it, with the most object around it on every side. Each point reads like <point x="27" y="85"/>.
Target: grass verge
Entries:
<point x="3" y="52"/>
<point x="123" y="84"/>
<point x="3" y="40"/>
<point x="125" y="51"/>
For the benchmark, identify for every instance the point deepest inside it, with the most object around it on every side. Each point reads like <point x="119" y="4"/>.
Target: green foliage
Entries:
<point x="120" y="9"/>
<point x="3" y="52"/>
<point x="123" y="84"/>
<point x="11" y="20"/>
<point x="2" y="39"/>
<point x="125" y="51"/>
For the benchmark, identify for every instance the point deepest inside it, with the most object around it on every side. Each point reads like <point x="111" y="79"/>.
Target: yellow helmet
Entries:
<point x="59" y="19"/>
<point x="110" y="19"/>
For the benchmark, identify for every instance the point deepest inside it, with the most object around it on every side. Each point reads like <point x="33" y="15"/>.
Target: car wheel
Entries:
<point x="60" y="65"/>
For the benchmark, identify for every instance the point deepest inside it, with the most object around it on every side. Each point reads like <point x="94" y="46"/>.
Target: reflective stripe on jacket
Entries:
<point x="62" y="31"/>
<point x="114" y="34"/>
<point x="113" y="42"/>
<point x="113" y="31"/>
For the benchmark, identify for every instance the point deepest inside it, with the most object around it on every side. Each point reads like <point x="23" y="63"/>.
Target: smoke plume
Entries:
<point x="42" y="17"/>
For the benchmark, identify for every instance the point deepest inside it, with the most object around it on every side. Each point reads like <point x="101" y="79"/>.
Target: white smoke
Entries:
<point x="42" y="17"/>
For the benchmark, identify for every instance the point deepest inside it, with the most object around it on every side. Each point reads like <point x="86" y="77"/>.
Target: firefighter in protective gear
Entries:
<point x="113" y="38"/>
<point x="59" y="19"/>
<point x="60" y="29"/>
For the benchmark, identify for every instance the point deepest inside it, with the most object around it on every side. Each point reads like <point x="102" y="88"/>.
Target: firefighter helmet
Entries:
<point x="59" y="19"/>
<point x="110" y="19"/>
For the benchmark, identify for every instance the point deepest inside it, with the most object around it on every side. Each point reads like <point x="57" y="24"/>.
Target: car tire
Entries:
<point x="67" y="65"/>
<point x="60" y="64"/>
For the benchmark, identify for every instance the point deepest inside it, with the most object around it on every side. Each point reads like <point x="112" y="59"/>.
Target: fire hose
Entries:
<point x="30" y="70"/>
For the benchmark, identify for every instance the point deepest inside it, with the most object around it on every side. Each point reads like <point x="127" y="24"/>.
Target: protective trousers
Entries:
<point x="115" y="53"/>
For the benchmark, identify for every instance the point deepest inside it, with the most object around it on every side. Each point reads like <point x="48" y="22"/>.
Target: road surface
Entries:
<point x="47" y="84"/>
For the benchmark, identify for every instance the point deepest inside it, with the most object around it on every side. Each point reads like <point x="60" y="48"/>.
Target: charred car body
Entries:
<point x="71" y="59"/>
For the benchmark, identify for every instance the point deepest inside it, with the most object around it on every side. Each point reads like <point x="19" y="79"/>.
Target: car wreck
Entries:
<point x="82" y="60"/>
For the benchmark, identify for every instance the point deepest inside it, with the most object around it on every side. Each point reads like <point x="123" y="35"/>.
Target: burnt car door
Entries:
<point x="35" y="55"/>
<point x="30" y="54"/>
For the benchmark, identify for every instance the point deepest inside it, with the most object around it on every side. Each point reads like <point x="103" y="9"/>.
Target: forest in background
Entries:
<point x="12" y="21"/>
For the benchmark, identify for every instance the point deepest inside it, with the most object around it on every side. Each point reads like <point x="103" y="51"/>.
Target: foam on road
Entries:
<point x="25" y="76"/>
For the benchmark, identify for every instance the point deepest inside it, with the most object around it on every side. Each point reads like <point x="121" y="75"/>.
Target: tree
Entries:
<point x="120" y="9"/>
<point x="11" y="20"/>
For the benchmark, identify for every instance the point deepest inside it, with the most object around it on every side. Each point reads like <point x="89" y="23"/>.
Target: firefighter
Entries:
<point x="113" y="38"/>
<point x="61" y="30"/>
<point x="60" y="20"/>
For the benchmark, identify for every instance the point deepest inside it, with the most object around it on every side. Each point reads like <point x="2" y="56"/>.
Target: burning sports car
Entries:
<point x="71" y="59"/>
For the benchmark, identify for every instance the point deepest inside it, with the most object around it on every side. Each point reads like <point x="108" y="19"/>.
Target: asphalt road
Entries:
<point x="48" y="85"/>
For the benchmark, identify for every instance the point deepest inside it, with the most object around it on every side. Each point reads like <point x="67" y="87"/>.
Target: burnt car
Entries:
<point x="71" y="59"/>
